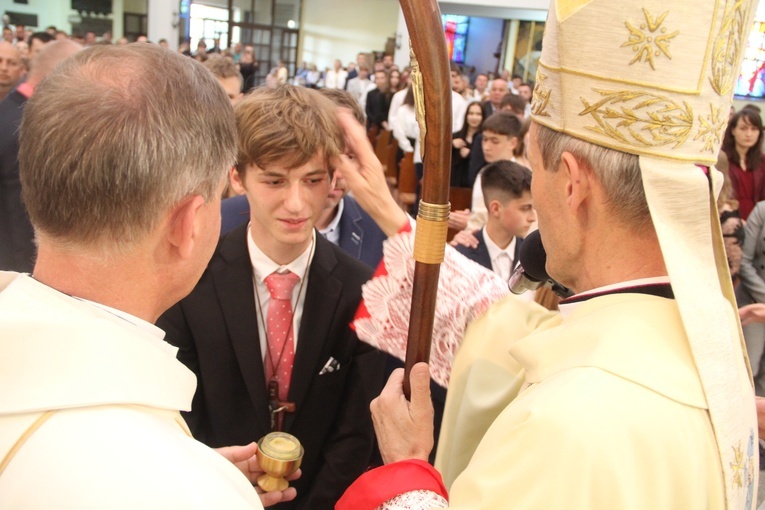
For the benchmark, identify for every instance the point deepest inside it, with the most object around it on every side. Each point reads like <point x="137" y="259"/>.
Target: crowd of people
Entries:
<point x="190" y="260"/>
<point x="742" y="205"/>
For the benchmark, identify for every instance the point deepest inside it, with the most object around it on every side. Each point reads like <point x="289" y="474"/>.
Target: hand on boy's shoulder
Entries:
<point x="466" y="238"/>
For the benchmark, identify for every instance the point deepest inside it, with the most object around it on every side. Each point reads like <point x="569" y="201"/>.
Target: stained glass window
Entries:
<point x="456" y="30"/>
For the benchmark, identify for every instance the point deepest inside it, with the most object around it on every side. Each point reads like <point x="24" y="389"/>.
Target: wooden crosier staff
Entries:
<point x="433" y="98"/>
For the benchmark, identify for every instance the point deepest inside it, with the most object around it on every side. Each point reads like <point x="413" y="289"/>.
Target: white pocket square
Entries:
<point x="332" y="365"/>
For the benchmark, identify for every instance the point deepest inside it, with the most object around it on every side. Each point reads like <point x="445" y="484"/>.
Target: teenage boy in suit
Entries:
<point x="343" y="222"/>
<point x="266" y="330"/>
<point x="506" y="190"/>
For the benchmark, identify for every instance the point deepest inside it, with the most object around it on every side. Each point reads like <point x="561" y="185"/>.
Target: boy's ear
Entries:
<point x="494" y="207"/>
<point x="236" y="180"/>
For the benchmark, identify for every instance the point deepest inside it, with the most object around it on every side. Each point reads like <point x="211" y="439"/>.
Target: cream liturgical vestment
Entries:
<point x="115" y="438"/>
<point x="614" y="418"/>
<point x="485" y="378"/>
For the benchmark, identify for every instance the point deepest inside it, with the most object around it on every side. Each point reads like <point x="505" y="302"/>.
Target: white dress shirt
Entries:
<point x="262" y="266"/>
<point x="459" y="107"/>
<point x="357" y="87"/>
<point x="405" y="126"/>
<point x="395" y="103"/>
<point x="335" y="79"/>
<point x="332" y="231"/>
<point x="502" y="260"/>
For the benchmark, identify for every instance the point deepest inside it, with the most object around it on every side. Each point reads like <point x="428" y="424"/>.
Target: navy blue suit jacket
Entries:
<point x="360" y="237"/>
<point x="481" y="253"/>
<point x="234" y="211"/>
<point x="17" y="248"/>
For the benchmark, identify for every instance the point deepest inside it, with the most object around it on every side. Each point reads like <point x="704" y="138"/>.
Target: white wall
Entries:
<point x="162" y="16"/>
<point x="481" y="44"/>
<point x="484" y="35"/>
<point x="48" y="13"/>
<point x="532" y="10"/>
<point x="341" y="28"/>
<point x="512" y="4"/>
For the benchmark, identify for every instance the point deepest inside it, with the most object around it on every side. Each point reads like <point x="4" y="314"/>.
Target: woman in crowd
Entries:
<point x="405" y="127"/>
<point x="743" y="147"/>
<point x="462" y="145"/>
<point x="394" y="81"/>
<point x="523" y="139"/>
<point x="730" y="220"/>
<point x="248" y="66"/>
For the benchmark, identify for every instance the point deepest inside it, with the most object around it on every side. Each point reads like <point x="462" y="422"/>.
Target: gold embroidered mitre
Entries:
<point x="651" y="77"/>
<point x="655" y="79"/>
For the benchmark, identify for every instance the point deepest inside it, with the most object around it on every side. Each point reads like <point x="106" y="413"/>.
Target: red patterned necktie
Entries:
<point x="279" y="330"/>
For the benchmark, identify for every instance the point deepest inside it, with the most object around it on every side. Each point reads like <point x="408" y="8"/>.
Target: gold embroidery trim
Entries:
<point x="567" y="8"/>
<point x="640" y="119"/>
<point x="23" y="438"/>
<point x="729" y="44"/>
<point x="541" y="96"/>
<point x="737" y="466"/>
<point x="644" y="41"/>
<point x="711" y="128"/>
<point x="418" y="91"/>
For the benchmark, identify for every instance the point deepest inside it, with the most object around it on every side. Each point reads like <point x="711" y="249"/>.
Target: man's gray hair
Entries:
<point x="618" y="173"/>
<point x="117" y="136"/>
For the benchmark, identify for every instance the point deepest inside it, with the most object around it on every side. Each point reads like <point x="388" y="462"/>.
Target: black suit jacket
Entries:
<point x="377" y="108"/>
<point x="477" y="159"/>
<point x="481" y="253"/>
<point x="17" y="249"/>
<point x="216" y="330"/>
<point x="488" y="109"/>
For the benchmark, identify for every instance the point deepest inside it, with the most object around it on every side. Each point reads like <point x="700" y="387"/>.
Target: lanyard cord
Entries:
<point x="262" y="316"/>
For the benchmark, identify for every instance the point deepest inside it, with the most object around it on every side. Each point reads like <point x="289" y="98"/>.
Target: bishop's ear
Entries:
<point x="577" y="180"/>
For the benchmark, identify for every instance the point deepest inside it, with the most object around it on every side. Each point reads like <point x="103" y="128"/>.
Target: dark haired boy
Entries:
<point x="507" y="194"/>
<point x="499" y="137"/>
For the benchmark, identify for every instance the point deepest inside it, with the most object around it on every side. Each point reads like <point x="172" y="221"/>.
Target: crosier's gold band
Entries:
<point x="432" y="227"/>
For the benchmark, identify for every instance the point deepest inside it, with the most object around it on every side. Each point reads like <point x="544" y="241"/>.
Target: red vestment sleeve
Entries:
<point x="379" y="485"/>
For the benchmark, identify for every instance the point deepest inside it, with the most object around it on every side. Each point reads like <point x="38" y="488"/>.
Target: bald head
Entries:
<point x="11" y="68"/>
<point x="497" y="91"/>
<point x="49" y="57"/>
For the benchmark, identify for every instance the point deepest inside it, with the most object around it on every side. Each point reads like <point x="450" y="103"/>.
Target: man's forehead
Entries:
<point x="8" y="52"/>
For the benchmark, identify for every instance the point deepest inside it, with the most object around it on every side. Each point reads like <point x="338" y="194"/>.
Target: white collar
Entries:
<point x="567" y="308"/>
<point x="141" y="324"/>
<point x="335" y="221"/>
<point x="262" y="265"/>
<point x="495" y="251"/>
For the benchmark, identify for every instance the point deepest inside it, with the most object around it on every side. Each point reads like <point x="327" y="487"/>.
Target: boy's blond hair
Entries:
<point x="286" y="126"/>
